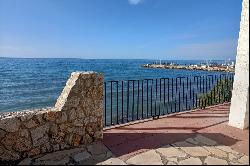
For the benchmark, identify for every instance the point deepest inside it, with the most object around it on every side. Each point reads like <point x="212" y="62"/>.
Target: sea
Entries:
<point x="36" y="82"/>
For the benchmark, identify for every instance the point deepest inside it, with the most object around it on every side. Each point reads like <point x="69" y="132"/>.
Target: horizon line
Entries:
<point x="118" y="59"/>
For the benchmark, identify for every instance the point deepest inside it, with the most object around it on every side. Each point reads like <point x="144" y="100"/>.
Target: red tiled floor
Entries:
<point x="125" y="141"/>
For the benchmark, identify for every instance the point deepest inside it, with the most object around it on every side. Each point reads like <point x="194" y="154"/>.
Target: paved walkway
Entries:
<point x="198" y="150"/>
<point x="90" y="155"/>
<point x="199" y="137"/>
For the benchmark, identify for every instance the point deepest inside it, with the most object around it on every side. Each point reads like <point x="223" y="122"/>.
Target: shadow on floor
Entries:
<point x="210" y="122"/>
<point x="124" y="143"/>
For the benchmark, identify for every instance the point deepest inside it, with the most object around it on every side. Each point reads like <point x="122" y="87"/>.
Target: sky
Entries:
<point x="120" y="29"/>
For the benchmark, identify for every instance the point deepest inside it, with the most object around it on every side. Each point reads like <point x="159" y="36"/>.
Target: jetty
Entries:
<point x="205" y="67"/>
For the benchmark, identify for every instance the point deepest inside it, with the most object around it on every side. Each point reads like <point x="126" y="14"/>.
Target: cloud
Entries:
<point x="134" y="2"/>
<point x="211" y="50"/>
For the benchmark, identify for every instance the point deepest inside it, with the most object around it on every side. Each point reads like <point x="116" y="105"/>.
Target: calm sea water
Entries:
<point x="36" y="83"/>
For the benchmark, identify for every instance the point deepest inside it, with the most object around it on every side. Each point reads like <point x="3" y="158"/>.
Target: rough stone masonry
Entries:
<point x="76" y="120"/>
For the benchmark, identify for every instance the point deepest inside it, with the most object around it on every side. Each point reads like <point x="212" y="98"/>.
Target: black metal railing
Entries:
<point x="130" y="100"/>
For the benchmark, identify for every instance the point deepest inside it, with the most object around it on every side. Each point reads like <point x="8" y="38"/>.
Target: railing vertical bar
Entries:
<point x="190" y="90"/>
<point x="175" y="105"/>
<point x="209" y="83"/>
<point x="211" y="93"/>
<point x="187" y="89"/>
<point x="142" y="99"/>
<point x="179" y="102"/>
<point x="172" y="94"/>
<point x="206" y="84"/>
<point x="138" y="94"/>
<point x="159" y="102"/>
<point x="193" y="93"/>
<point x="147" y="98"/>
<point x="133" y="105"/>
<point x="105" y="103"/>
<point x="214" y="101"/>
<point x="199" y="101"/>
<point x="202" y="103"/>
<point x="168" y="96"/>
<point x="164" y="87"/>
<point x="128" y="101"/>
<point x="160" y="99"/>
<point x="196" y="100"/>
<point x="226" y="88"/>
<point x="212" y="85"/>
<point x="212" y="88"/>
<point x="193" y="99"/>
<point x="202" y="91"/>
<point x="176" y="83"/>
<point x="186" y="101"/>
<point x="151" y="101"/>
<point x="183" y="91"/>
<point x="155" y="95"/>
<point x="111" y="102"/>
<point x="168" y="90"/>
<point x="117" y="106"/>
<point x="218" y="87"/>
<point x="176" y="94"/>
<point x="222" y="88"/>
<point x="122" y="102"/>
<point x="197" y="87"/>
<point x="209" y="99"/>
<point x="200" y="85"/>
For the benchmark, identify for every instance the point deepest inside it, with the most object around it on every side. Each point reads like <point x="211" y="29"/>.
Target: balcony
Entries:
<point x="181" y="120"/>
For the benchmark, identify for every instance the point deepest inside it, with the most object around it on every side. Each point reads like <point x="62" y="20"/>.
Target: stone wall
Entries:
<point x="76" y="120"/>
<point x="239" y="111"/>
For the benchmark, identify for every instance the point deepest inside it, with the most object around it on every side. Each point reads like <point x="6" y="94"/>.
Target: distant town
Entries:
<point x="228" y="66"/>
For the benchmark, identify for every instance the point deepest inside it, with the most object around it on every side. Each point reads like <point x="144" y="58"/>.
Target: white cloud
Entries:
<point x="210" y="50"/>
<point x="134" y="2"/>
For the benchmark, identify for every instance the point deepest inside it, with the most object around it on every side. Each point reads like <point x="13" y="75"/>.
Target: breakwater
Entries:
<point x="191" y="67"/>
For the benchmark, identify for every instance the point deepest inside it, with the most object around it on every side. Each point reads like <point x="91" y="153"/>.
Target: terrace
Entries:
<point x="201" y="121"/>
<point x="166" y="121"/>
